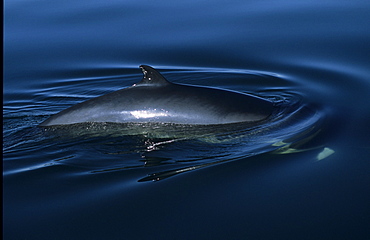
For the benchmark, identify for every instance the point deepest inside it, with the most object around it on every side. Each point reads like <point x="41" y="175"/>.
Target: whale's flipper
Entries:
<point x="152" y="77"/>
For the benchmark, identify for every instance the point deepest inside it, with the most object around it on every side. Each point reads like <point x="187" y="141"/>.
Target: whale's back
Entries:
<point x="154" y="99"/>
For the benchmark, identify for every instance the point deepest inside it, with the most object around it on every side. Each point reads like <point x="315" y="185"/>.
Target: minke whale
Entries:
<point x="156" y="100"/>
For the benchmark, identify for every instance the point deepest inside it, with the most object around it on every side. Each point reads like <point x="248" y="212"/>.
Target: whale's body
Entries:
<point x="154" y="99"/>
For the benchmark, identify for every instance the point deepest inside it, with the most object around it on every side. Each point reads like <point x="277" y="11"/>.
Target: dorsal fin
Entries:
<point x="152" y="77"/>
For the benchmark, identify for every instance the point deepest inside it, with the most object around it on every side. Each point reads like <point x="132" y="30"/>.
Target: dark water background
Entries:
<point x="304" y="175"/>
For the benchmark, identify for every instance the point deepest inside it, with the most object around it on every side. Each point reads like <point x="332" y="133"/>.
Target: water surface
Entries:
<point x="304" y="174"/>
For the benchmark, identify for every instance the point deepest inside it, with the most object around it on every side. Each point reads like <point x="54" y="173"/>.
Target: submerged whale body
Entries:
<point x="156" y="100"/>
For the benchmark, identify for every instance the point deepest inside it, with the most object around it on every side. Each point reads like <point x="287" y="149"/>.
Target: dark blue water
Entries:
<point x="304" y="174"/>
